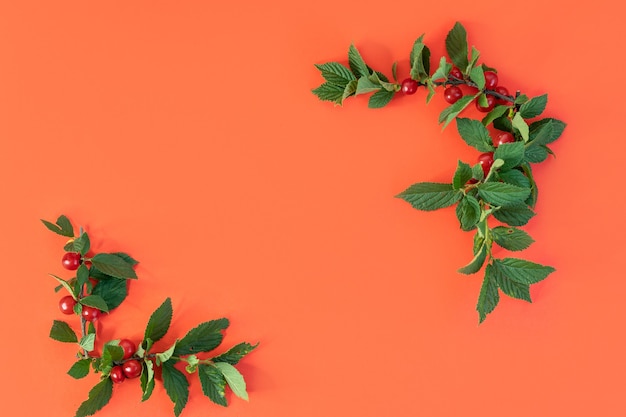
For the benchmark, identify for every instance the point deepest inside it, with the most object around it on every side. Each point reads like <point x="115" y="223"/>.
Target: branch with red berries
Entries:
<point x="495" y="196"/>
<point x="100" y="286"/>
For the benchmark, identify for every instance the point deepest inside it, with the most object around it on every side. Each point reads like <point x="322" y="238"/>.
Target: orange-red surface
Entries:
<point x="185" y="133"/>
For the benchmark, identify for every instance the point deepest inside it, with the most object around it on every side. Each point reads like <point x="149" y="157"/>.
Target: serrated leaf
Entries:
<point x="511" y="238"/>
<point x="514" y="177"/>
<point x="176" y="386"/>
<point x="478" y="76"/>
<point x="357" y="64"/>
<point x="99" y="396"/>
<point x="236" y="353"/>
<point x="521" y="99"/>
<point x="62" y="332"/>
<point x="159" y="322"/>
<point x="534" y="191"/>
<point x="477" y="262"/>
<point x="366" y="85"/>
<point x="431" y="90"/>
<point x="82" y="275"/>
<point x="95" y="301"/>
<point x="514" y="215"/>
<point x="65" y="284"/>
<point x="415" y="58"/>
<point x="380" y="99"/>
<point x="350" y="90"/>
<point x="511" y="153"/>
<point x="443" y="70"/>
<point x="449" y="113"/>
<point x="540" y="135"/>
<point x="329" y="92"/>
<point x="62" y="227"/>
<point x="81" y="244"/>
<point x="522" y="271"/>
<point x="474" y="55"/>
<point x="394" y="71"/>
<point x="110" y="353"/>
<point x="520" y="124"/>
<point x="477" y="172"/>
<point x="234" y="379"/>
<point x="503" y="123"/>
<point x="88" y="341"/>
<point x="213" y="384"/>
<point x="429" y="196"/>
<point x="468" y="213"/>
<point x="502" y="194"/>
<point x="556" y="131"/>
<point x="203" y="338"/>
<point x="456" y="46"/>
<point x="129" y="259"/>
<point x="147" y="380"/>
<point x="112" y="291"/>
<point x="336" y="73"/>
<point x="489" y="296"/>
<point x="462" y="175"/>
<point x="192" y="363"/>
<point x="533" y="107"/>
<point x="535" y="154"/>
<point x="113" y="265"/>
<point x="511" y="288"/>
<point x="80" y="369"/>
<point x="475" y="134"/>
<point x="497" y="112"/>
<point x="165" y="356"/>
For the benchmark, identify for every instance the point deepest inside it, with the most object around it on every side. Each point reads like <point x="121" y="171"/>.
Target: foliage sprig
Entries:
<point x="493" y="197"/>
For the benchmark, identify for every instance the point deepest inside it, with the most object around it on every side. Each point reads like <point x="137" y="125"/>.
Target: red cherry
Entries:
<point x="504" y="92"/>
<point x="491" y="103"/>
<point x="409" y="86"/>
<point x="504" y="137"/>
<point x="129" y="348"/>
<point x="132" y="368"/>
<point x="66" y="304"/>
<point x="486" y="160"/>
<point x="491" y="80"/>
<point x="456" y="73"/>
<point x="117" y="374"/>
<point x="71" y="261"/>
<point x="452" y="94"/>
<point x="90" y="313"/>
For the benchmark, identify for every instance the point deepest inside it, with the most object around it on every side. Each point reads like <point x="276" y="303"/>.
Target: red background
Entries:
<point x="185" y="134"/>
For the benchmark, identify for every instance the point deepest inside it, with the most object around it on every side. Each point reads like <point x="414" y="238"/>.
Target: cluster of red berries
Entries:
<point x="486" y="159"/>
<point x="130" y="368"/>
<point x="71" y="261"/>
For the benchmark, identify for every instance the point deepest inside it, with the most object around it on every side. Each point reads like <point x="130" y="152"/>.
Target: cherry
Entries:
<point x="117" y="374"/>
<point x="71" y="261"/>
<point x="504" y="137"/>
<point x="409" y="86"/>
<point x="491" y="80"/>
<point x="90" y="313"/>
<point x="491" y="103"/>
<point x="504" y="92"/>
<point x="486" y="160"/>
<point x="132" y="368"/>
<point x="456" y="73"/>
<point x="129" y="348"/>
<point x="452" y="94"/>
<point x="66" y="304"/>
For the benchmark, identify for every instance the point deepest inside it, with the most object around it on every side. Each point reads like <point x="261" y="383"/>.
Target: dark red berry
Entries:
<point x="504" y="137"/>
<point x="71" y="261"/>
<point x="117" y="374"/>
<point x="472" y="181"/>
<point x="90" y="313"/>
<point x="409" y="86"/>
<point x="504" y="92"/>
<point x="491" y="80"/>
<point x="486" y="160"/>
<point x="452" y="94"/>
<point x="129" y="348"/>
<point x="132" y="368"/>
<point x="491" y="103"/>
<point x="66" y="304"/>
<point x="456" y="73"/>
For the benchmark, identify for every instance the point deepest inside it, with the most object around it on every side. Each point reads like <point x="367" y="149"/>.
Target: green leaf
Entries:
<point x="192" y="363"/>
<point x="82" y="275"/>
<point x="449" y="113"/>
<point x="65" y="284"/>
<point x="511" y="238"/>
<point x="394" y="71"/>
<point x="62" y="227"/>
<point x="336" y="73"/>
<point x="511" y="288"/>
<point x="556" y="131"/>
<point x="468" y="213"/>
<point x="159" y="322"/>
<point x="415" y="59"/>
<point x="380" y="99"/>
<point x="503" y="123"/>
<point x="62" y="332"/>
<point x="489" y="296"/>
<point x="236" y="353"/>
<point x="113" y="265"/>
<point x="357" y="65"/>
<point x="111" y="353"/>
<point x="511" y="153"/>
<point x="443" y="70"/>
<point x="514" y="177"/>
<point x="165" y="356"/>
<point x="520" y="124"/>
<point x="80" y="369"/>
<point x="514" y="215"/>
<point x="95" y="301"/>
<point x="429" y="196"/>
<point x="99" y="396"/>
<point x="129" y="259"/>
<point x="534" y="107"/>
<point x="213" y="384"/>
<point x="497" y="112"/>
<point x="456" y="46"/>
<point x="204" y="338"/>
<point x="81" y="244"/>
<point x="473" y="59"/>
<point x="462" y="175"/>
<point x="366" y="85"/>
<point x="329" y="92"/>
<point x="477" y="262"/>
<point x="88" y="341"/>
<point x="475" y="134"/>
<point x="540" y="135"/>
<point x="350" y="90"/>
<point x="535" y="154"/>
<point x="521" y="99"/>
<point x="147" y="380"/>
<point x="534" y="191"/>
<point x="234" y="379"/>
<point x="521" y="271"/>
<point x="176" y="386"/>
<point x="477" y="172"/>
<point x="112" y="291"/>
<point x="478" y="76"/>
<point x="502" y="194"/>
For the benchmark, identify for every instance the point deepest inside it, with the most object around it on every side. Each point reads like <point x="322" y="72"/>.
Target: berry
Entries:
<point x="132" y="368"/>
<point x="452" y="94"/>
<point x="502" y="91"/>
<point x="456" y="73"/>
<point x="129" y="348"/>
<point x="486" y="160"/>
<point x="409" y="86"/>
<point x="90" y="313"/>
<point x="491" y="103"/>
<point x="117" y="374"/>
<point x="71" y="261"/>
<point x="66" y="304"/>
<point x="491" y="80"/>
<point x="504" y="137"/>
